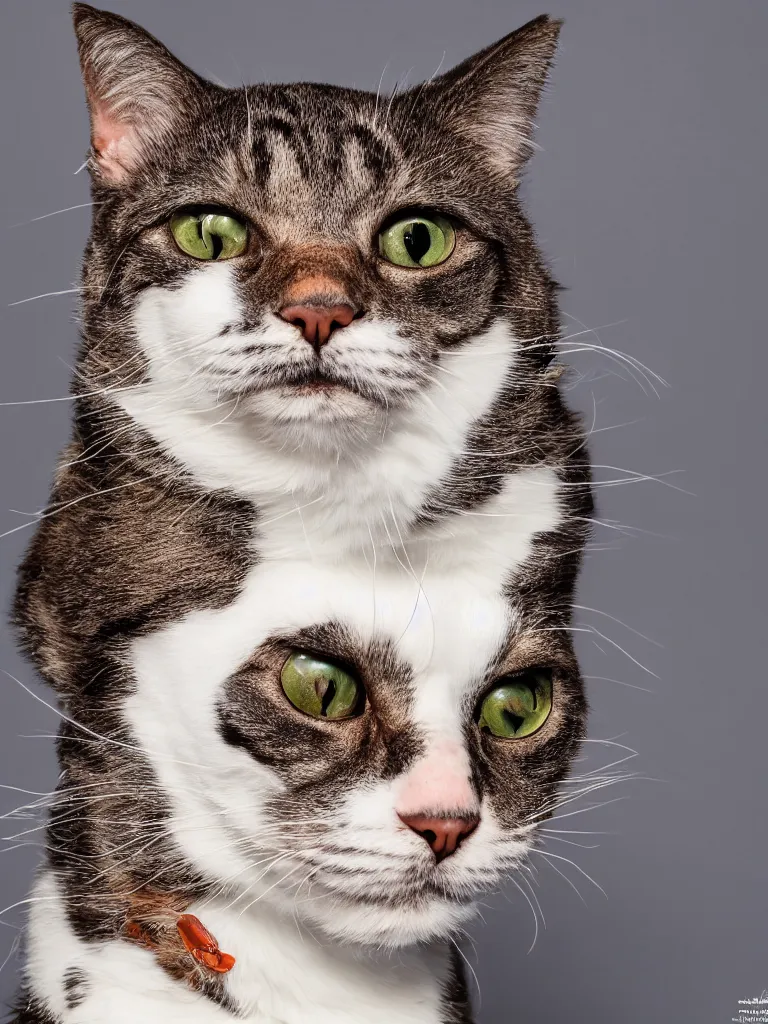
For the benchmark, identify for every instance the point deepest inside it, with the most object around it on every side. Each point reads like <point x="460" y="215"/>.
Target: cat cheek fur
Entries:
<point x="201" y="347"/>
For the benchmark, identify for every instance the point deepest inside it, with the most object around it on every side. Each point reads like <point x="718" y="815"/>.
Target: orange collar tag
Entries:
<point x="202" y="945"/>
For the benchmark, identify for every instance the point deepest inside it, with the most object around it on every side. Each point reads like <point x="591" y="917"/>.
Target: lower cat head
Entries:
<point x="372" y="773"/>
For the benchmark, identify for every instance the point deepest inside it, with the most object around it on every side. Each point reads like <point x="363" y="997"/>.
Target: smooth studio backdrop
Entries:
<point x="648" y="195"/>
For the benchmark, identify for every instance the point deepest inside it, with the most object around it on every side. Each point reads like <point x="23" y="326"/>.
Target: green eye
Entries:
<point x="209" y="236"/>
<point x="418" y="241"/>
<point x="321" y="689"/>
<point x="517" y="708"/>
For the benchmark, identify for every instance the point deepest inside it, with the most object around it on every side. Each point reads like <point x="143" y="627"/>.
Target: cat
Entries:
<point x="304" y="584"/>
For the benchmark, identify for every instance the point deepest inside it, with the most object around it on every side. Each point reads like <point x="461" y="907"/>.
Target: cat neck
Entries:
<point x="336" y="494"/>
<point x="283" y="974"/>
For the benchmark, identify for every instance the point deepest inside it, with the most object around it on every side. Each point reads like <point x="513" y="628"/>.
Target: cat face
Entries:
<point x="373" y="773"/>
<point x="351" y="246"/>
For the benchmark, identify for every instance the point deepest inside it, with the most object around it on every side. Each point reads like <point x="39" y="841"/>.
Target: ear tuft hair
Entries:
<point x="134" y="86"/>
<point x="491" y="98"/>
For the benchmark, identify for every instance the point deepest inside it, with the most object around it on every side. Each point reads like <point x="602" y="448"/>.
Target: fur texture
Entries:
<point x="410" y="500"/>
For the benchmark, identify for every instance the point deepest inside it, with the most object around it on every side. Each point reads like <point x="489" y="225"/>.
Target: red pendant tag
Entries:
<point x="202" y="945"/>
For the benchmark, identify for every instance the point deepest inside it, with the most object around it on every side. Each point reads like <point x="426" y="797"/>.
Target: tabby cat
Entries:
<point x="304" y="584"/>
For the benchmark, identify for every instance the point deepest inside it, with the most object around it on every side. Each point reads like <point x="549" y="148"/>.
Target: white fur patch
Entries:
<point x="281" y="976"/>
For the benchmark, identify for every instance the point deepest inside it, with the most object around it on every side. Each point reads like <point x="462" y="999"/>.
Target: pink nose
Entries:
<point x="317" y="323"/>
<point x="444" y="835"/>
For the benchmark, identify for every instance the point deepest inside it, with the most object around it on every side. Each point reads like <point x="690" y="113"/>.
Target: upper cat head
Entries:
<point x="350" y="244"/>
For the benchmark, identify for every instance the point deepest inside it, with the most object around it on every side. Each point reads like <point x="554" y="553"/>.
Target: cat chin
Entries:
<point x="390" y="927"/>
<point x="299" y="405"/>
<point x="329" y="421"/>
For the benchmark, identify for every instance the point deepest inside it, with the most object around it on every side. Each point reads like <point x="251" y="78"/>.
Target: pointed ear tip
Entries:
<point x="83" y="17"/>
<point x="82" y="11"/>
<point x="544" y="26"/>
<point x="556" y="25"/>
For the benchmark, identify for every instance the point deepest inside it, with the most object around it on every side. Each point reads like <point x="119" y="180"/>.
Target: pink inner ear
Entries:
<point x="115" y="143"/>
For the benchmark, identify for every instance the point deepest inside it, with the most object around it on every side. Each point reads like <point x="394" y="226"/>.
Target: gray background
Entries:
<point x="648" y="195"/>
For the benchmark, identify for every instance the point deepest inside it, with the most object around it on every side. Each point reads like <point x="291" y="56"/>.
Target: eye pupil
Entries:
<point x="417" y="241"/>
<point x="515" y="721"/>
<point x="217" y="246"/>
<point x="326" y="698"/>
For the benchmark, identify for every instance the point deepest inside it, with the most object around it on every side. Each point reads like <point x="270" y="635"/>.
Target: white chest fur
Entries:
<point x="283" y="976"/>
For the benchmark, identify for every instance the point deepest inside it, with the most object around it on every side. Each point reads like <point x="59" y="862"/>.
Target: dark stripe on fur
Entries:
<point x="30" y="1011"/>
<point x="76" y="987"/>
<point x="458" y="1009"/>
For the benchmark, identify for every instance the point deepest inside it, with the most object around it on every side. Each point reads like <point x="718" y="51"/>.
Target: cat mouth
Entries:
<point x="306" y="383"/>
<point x="303" y="384"/>
<point x="315" y="384"/>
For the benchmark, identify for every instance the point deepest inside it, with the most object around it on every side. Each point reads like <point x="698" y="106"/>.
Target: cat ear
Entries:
<point x="136" y="90"/>
<point x="492" y="97"/>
